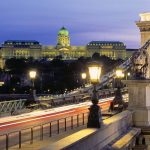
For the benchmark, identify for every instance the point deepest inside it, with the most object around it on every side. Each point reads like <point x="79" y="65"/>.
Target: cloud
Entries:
<point x="86" y="20"/>
<point x="129" y="38"/>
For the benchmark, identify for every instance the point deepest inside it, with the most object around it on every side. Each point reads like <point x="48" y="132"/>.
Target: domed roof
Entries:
<point x="63" y="31"/>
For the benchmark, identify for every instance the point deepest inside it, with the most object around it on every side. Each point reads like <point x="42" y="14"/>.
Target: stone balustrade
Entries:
<point x="96" y="139"/>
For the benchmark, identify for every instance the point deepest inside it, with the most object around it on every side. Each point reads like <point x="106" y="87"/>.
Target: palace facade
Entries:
<point x="26" y="48"/>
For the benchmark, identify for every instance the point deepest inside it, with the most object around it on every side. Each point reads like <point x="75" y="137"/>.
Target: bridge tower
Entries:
<point x="144" y="27"/>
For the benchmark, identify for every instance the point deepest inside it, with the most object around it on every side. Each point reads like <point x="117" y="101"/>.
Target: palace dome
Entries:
<point x="63" y="31"/>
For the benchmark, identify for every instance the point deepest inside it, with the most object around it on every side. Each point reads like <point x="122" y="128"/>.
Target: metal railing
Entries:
<point x="15" y="105"/>
<point x="11" y="106"/>
<point x="39" y="132"/>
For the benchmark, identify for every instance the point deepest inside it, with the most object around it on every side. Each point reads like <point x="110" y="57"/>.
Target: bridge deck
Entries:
<point x="47" y="141"/>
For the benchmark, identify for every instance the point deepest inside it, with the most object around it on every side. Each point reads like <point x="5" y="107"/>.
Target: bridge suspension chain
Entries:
<point x="107" y="78"/>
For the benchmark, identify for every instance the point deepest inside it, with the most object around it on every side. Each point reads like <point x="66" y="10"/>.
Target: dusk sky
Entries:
<point x="86" y="20"/>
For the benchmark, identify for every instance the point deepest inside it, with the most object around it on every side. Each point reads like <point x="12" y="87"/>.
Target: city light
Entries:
<point x="94" y="72"/>
<point x="83" y="75"/>
<point x="128" y="74"/>
<point x="32" y="74"/>
<point x="95" y="110"/>
<point x="119" y="73"/>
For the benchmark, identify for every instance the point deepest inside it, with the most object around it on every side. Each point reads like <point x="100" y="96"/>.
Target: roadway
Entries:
<point x="42" y="124"/>
<point x="15" y="123"/>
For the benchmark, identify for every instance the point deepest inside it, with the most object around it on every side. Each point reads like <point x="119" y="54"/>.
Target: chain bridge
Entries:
<point x="14" y="105"/>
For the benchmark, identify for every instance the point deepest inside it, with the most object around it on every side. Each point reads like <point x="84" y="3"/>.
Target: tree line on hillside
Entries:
<point x="53" y="77"/>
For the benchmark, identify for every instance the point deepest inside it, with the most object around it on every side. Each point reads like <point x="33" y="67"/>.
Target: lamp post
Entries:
<point x="118" y="95"/>
<point x="83" y="75"/>
<point x="128" y="75"/>
<point x="119" y="76"/>
<point x="32" y="75"/>
<point x="94" y="118"/>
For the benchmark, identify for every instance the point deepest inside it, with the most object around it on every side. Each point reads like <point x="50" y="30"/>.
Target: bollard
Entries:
<point x="58" y="126"/>
<point x="78" y="120"/>
<point x="41" y="133"/>
<point x="50" y="129"/>
<point x="71" y="122"/>
<point x="7" y="141"/>
<point x="65" y="125"/>
<point x="19" y="139"/>
<point x="83" y="118"/>
<point x="31" y="141"/>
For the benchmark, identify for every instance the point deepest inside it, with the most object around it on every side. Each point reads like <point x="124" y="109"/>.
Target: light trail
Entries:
<point x="50" y="111"/>
<point x="50" y="114"/>
<point x="41" y="117"/>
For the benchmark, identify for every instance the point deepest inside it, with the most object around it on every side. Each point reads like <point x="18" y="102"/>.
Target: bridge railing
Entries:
<point x="11" y="106"/>
<point x="82" y="97"/>
<point x="39" y="132"/>
<point x="15" y="105"/>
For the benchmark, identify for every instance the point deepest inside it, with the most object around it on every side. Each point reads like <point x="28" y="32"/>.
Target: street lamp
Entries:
<point x="118" y="95"/>
<point x="119" y="73"/>
<point x="83" y="75"/>
<point x="119" y="76"/>
<point x="32" y="75"/>
<point x="94" y="118"/>
<point x="128" y="75"/>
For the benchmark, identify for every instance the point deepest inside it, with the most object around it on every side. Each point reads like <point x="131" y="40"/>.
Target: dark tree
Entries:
<point x="96" y="56"/>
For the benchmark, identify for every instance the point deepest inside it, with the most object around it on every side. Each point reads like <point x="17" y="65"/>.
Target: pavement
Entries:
<point x="38" y="144"/>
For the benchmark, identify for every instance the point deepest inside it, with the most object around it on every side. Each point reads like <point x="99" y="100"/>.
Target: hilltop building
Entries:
<point x="112" y="49"/>
<point x="31" y="48"/>
<point x="19" y="48"/>
<point x="63" y="39"/>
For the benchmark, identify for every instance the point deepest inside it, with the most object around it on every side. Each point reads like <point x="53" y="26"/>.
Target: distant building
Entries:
<point x="31" y="48"/>
<point x="112" y="49"/>
<point x="2" y="60"/>
<point x="21" y="48"/>
<point x="63" y="39"/>
<point x="63" y="47"/>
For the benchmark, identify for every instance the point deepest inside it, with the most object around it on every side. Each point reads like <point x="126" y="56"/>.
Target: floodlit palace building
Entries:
<point x="26" y="49"/>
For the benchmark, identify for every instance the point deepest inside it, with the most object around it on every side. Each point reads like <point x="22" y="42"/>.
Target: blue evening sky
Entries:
<point x="86" y="20"/>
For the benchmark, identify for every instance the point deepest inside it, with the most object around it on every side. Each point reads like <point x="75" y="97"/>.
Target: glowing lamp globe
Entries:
<point x="95" y="72"/>
<point x="83" y="75"/>
<point x="128" y="74"/>
<point x="32" y="74"/>
<point x="119" y="73"/>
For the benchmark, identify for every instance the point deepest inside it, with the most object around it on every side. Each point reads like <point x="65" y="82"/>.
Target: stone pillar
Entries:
<point x="144" y="27"/>
<point x="139" y="101"/>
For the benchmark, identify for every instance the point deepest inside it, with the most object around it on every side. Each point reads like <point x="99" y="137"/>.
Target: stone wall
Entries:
<point x="96" y="139"/>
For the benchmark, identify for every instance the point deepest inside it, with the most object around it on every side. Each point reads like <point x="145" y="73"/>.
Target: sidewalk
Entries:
<point x="37" y="144"/>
